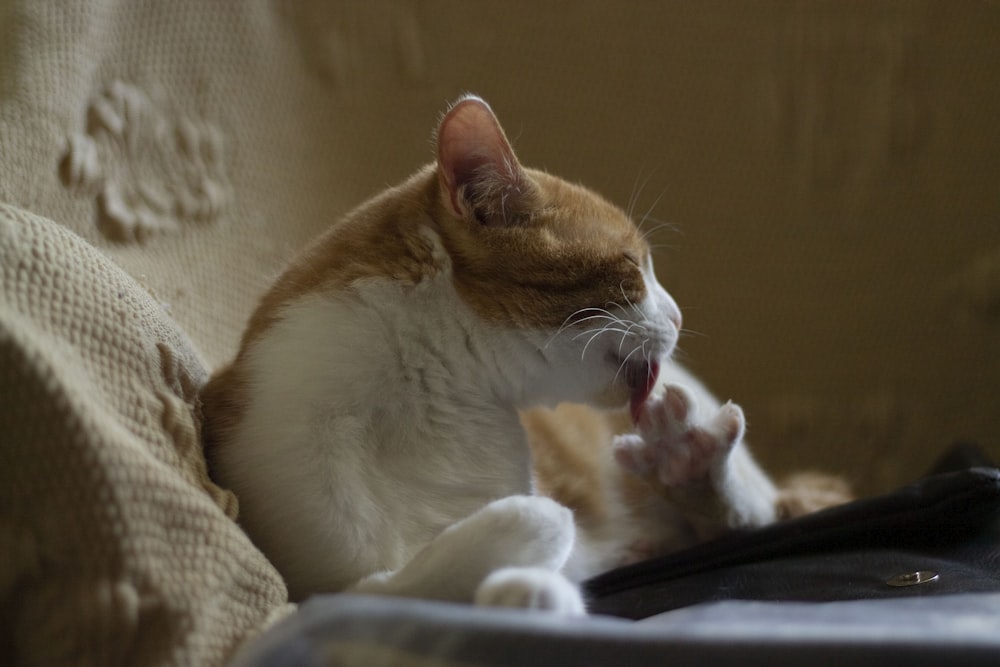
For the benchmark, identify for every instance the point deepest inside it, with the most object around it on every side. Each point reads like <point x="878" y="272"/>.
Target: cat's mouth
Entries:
<point x="640" y="376"/>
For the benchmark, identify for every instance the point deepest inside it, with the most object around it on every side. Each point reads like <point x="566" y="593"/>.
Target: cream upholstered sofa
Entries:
<point x="160" y="161"/>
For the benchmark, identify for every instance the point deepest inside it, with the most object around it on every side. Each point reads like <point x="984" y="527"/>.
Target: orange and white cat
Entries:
<point x="375" y="423"/>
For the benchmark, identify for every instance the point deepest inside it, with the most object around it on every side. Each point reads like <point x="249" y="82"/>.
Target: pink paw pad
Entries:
<point x="674" y="445"/>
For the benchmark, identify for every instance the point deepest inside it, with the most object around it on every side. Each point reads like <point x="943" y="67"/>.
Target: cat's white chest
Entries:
<point x="374" y="423"/>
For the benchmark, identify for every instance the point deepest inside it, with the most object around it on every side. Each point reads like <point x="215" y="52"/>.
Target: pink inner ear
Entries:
<point x="471" y="147"/>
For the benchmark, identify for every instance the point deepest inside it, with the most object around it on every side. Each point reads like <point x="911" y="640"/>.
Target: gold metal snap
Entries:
<point x="913" y="578"/>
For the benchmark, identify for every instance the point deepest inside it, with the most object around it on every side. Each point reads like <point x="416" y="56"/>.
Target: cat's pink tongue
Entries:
<point x="642" y="384"/>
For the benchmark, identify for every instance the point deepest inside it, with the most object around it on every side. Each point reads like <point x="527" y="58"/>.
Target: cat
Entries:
<point x="389" y="423"/>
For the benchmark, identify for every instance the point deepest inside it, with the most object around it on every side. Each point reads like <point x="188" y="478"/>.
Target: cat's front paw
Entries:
<point x="531" y="588"/>
<point x="673" y="446"/>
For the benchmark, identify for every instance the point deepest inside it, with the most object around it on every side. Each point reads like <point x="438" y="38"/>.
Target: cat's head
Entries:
<point x="534" y="252"/>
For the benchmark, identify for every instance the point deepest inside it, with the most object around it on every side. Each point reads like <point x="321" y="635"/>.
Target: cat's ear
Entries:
<point x="481" y="178"/>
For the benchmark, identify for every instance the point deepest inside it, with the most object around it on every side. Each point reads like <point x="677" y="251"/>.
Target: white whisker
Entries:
<point x="647" y="233"/>
<point x="610" y="318"/>
<point x="599" y="332"/>
<point x="631" y="326"/>
<point x="690" y="333"/>
<point x="637" y="190"/>
<point x="645" y="217"/>
<point x="632" y="306"/>
<point x="569" y="321"/>
<point x="624" y="362"/>
<point x="605" y="329"/>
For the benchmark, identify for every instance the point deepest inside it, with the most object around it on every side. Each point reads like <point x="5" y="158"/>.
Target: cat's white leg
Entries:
<point x="699" y="460"/>
<point x="531" y="588"/>
<point x="529" y="537"/>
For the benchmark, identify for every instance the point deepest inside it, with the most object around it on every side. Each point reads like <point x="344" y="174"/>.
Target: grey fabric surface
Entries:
<point x="370" y="631"/>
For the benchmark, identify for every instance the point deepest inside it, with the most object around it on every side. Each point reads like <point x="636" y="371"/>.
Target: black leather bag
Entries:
<point x="938" y="536"/>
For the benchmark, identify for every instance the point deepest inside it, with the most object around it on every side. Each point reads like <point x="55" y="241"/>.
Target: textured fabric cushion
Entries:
<point x="116" y="548"/>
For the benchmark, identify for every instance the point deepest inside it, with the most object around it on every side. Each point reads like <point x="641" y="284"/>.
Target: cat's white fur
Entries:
<point x="380" y="448"/>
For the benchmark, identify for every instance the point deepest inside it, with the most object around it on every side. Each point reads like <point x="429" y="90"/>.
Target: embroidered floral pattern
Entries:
<point x="149" y="170"/>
